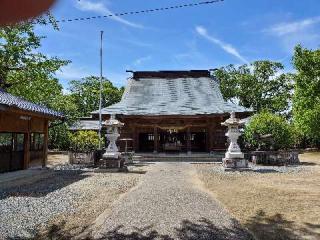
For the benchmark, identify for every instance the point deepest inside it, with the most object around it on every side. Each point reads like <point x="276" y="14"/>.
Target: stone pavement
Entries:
<point x="169" y="203"/>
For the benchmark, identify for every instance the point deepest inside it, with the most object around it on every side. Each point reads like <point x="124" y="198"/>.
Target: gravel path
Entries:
<point x="169" y="203"/>
<point x="26" y="207"/>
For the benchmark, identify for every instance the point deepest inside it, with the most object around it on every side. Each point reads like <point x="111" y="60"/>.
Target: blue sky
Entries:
<point x="209" y="36"/>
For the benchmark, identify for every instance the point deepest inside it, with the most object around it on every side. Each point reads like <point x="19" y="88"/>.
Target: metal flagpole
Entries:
<point x="100" y="100"/>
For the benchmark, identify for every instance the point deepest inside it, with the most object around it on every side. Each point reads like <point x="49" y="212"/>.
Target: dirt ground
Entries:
<point x="57" y="159"/>
<point x="271" y="205"/>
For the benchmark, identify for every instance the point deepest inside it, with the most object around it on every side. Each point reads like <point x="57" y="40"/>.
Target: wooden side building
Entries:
<point x="23" y="133"/>
<point x="170" y="111"/>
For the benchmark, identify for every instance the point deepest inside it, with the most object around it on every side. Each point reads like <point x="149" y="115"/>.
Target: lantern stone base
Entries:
<point x="111" y="155"/>
<point x="112" y="163"/>
<point x="235" y="164"/>
<point x="112" y="160"/>
<point x="234" y="155"/>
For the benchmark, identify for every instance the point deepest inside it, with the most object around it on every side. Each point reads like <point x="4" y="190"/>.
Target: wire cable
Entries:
<point x="139" y="12"/>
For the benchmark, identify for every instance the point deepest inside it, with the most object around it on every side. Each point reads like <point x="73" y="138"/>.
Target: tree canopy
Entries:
<point x="260" y="85"/>
<point x="24" y="70"/>
<point x="86" y="92"/>
<point x="306" y="100"/>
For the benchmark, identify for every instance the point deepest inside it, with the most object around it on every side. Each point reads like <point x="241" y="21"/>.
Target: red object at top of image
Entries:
<point x="14" y="11"/>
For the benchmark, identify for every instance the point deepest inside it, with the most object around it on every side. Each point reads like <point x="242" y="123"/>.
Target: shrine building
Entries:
<point x="23" y="133"/>
<point x="170" y="111"/>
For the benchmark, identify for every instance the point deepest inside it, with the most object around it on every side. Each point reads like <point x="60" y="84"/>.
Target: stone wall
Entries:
<point x="276" y="158"/>
<point x="82" y="158"/>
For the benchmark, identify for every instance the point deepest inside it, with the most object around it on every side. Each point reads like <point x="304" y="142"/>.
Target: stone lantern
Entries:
<point x="113" y="125"/>
<point x="234" y="158"/>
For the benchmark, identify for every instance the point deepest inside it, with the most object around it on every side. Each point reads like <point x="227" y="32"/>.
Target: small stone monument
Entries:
<point x="234" y="158"/>
<point x="112" y="157"/>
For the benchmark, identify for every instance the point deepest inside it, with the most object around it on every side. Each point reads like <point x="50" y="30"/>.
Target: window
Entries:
<point x="5" y="142"/>
<point x="18" y="142"/>
<point x="37" y="141"/>
<point x="150" y="137"/>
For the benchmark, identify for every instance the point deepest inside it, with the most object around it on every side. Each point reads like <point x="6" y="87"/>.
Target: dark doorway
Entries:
<point x="146" y="142"/>
<point x="173" y="141"/>
<point x="198" y="141"/>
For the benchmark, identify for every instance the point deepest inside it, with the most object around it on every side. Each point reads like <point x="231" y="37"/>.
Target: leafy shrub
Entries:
<point x="59" y="137"/>
<point x="282" y="133"/>
<point x="84" y="141"/>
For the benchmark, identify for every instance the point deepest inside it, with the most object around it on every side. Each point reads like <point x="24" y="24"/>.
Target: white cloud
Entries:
<point x="71" y="72"/>
<point x="118" y="79"/>
<point x="101" y="8"/>
<point x="292" y="27"/>
<point x="141" y="60"/>
<point x="225" y="46"/>
<point x="305" y="32"/>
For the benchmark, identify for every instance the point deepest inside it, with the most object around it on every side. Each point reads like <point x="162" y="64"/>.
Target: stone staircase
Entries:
<point x="194" y="157"/>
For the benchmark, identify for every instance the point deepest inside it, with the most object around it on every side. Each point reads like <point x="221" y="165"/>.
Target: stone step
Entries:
<point x="178" y="159"/>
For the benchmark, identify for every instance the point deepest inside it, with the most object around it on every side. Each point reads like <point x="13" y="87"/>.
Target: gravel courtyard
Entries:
<point x="169" y="203"/>
<point x="72" y="197"/>
<point x="180" y="200"/>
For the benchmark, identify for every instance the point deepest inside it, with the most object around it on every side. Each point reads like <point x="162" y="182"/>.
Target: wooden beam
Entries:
<point x="26" y="157"/>
<point x="156" y="140"/>
<point x="45" y="143"/>
<point x="170" y="126"/>
<point x="188" y="140"/>
<point x="28" y="113"/>
<point x="135" y="139"/>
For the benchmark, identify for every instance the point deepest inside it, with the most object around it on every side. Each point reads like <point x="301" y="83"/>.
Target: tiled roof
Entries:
<point x="20" y="103"/>
<point x="85" y="125"/>
<point x="172" y="96"/>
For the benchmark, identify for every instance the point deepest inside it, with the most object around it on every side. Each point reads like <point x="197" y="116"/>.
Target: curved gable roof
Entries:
<point x="152" y="95"/>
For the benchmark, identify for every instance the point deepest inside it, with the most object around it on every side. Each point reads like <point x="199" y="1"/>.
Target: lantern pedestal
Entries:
<point x="234" y="158"/>
<point x="235" y="163"/>
<point x="112" y="157"/>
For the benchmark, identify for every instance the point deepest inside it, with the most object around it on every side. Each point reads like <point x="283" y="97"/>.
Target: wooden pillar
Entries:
<point x="137" y="140"/>
<point x="210" y="127"/>
<point x="188" y="141"/>
<point x="26" y="155"/>
<point x="156" y="139"/>
<point x="45" y="142"/>
<point x="207" y="138"/>
<point x="134" y="137"/>
<point x="211" y="138"/>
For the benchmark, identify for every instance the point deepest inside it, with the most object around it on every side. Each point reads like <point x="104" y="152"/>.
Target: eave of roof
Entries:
<point x="18" y="103"/>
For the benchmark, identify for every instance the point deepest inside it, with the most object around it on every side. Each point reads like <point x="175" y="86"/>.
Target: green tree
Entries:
<point x="86" y="94"/>
<point x="306" y="100"/>
<point x="24" y="70"/>
<point x="260" y="85"/>
<point x="59" y="137"/>
<point x="265" y="123"/>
